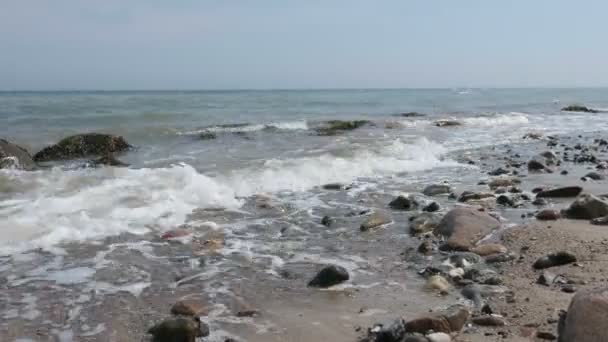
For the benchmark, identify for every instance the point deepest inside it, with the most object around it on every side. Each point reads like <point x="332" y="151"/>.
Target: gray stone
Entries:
<point x="463" y="227"/>
<point x="587" y="207"/>
<point x="437" y="189"/>
<point x="15" y="156"/>
<point x="586" y="318"/>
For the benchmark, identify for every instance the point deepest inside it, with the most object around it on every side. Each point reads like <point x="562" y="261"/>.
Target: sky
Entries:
<point x="283" y="44"/>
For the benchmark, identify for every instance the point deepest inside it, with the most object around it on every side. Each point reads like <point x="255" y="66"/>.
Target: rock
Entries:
<point x="536" y="166"/>
<point x="498" y="258"/>
<point x="587" y="207"/>
<point x="392" y="333"/>
<point x="423" y="223"/>
<point x="431" y="207"/>
<point x="498" y="172"/>
<point x="505" y="201"/>
<point x="189" y="307"/>
<point x="401" y="203"/>
<point x="425" y="247"/>
<point x="327" y="221"/>
<point x="437" y="283"/>
<point x="533" y="135"/>
<point x="414" y="338"/>
<point x="548" y="215"/>
<point x="439" y="337"/>
<point x="539" y="202"/>
<point x="329" y="276"/>
<point x="579" y="108"/>
<point x="109" y="160"/>
<point x="567" y="191"/>
<point x="476" y="292"/>
<point x="555" y="259"/>
<point x="451" y="320"/>
<point x="179" y="330"/>
<point x="545" y="335"/>
<point x="600" y="221"/>
<point x="207" y="136"/>
<point x="411" y="115"/>
<point x="550" y="157"/>
<point x="470" y="196"/>
<point x="489" y="321"/>
<point x="447" y="123"/>
<point x="464" y="227"/>
<point x="437" y="189"/>
<point x="375" y="220"/>
<point x="586" y="318"/>
<point x="334" y="127"/>
<point x="15" y="156"/>
<point x="81" y="146"/>
<point x="546" y="278"/>
<point x="334" y="186"/>
<point x="463" y="259"/>
<point x="595" y="176"/>
<point x="489" y="249"/>
<point x="248" y="313"/>
<point x="503" y="182"/>
<point x="564" y="172"/>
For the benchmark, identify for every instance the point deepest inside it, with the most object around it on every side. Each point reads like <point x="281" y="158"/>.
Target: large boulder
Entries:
<point x="15" y="156"/>
<point x="566" y="191"/>
<point x="83" y="145"/>
<point x="587" y="207"/>
<point x="586" y="318"/>
<point x="463" y="227"/>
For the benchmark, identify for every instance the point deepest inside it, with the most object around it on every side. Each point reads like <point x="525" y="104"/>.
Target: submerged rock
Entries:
<point x="474" y="196"/>
<point x="555" y="259"/>
<point x="81" y="146"/>
<point x="595" y="176"/>
<point x="578" y="108"/>
<point x="327" y="221"/>
<point x="108" y="160"/>
<point x="375" y="220"/>
<point x="464" y="227"/>
<point x="423" y="223"/>
<point x="586" y="318"/>
<point x="15" y="156"/>
<point x="431" y="207"/>
<point x="334" y="127"/>
<point x="447" y="123"/>
<point x="587" y="207"/>
<point x="411" y="115"/>
<point x="402" y="203"/>
<point x="437" y="189"/>
<point x="329" y="276"/>
<point x="563" y="192"/>
<point x="179" y="330"/>
<point x="536" y="166"/>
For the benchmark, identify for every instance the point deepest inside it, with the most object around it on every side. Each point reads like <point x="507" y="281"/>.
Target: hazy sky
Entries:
<point x="225" y="44"/>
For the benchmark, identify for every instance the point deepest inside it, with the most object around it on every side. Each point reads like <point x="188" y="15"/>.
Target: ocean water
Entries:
<point x="257" y="184"/>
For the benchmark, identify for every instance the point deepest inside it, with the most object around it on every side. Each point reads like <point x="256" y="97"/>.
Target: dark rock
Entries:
<point x="545" y="335"/>
<point x="548" y="215"/>
<point x="401" y="203"/>
<point x="578" y="108"/>
<point x="546" y="278"/>
<point x="81" y="146"/>
<point x="411" y="115"/>
<point x="376" y="219"/>
<point x="447" y="123"/>
<point x="568" y="288"/>
<point x="505" y="201"/>
<point x="189" y="307"/>
<point x="567" y="191"/>
<point x="334" y="186"/>
<point x="334" y="127"/>
<point x="392" y="333"/>
<point x="600" y="221"/>
<point x="498" y="172"/>
<point x="452" y="320"/>
<point x="489" y="321"/>
<point x="535" y="165"/>
<point x="109" y="160"/>
<point x="425" y="247"/>
<point x="431" y="207"/>
<point x="15" y="156"/>
<point x="473" y="196"/>
<point x="587" y="207"/>
<point x="179" y="330"/>
<point x="563" y="173"/>
<point x="595" y="176"/>
<point x="327" y="221"/>
<point x="586" y="318"/>
<point x="555" y="259"/>
<point x="539" y="202"/>
<point x="437" y="189"/>
<point x="207" y="136"/>
<point x="329" y="276"/>
<point x="464" y="227"/>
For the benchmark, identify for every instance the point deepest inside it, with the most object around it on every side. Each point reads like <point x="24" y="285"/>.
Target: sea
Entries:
<point x="256" y="157"/>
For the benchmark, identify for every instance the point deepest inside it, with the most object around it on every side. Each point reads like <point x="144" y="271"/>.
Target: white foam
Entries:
<point x="79" y="205"/>
<point x="513" y="118"/>
<point x="286" y="125"/>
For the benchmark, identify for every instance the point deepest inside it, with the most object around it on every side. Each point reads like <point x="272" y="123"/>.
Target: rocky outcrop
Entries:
<point x="329" y="276"/>
<point x="587" y="207"/>
<point x="579" y="108"/>
<point x="567" y="191"/>
<point x="81" y="146"/>
<point x="586" y="318"/>
<point x="463" y="227"/>
<point x="334" y="127"/>
<point x="15" y="156"/>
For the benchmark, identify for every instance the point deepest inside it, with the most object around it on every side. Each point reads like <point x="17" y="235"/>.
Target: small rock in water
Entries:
<point x="564" y="172"/>
<point x="578" y="108"/>
<point x="490" y="321"/>
<point x="498" y="172"/>
<point x="401" y="203"/>
<point x="446" y="123"/>
<point x="535" y="165"/>
<point x="329" y="276"/>
<point x="555" y="259"/>
<point x="334" y="186"/>
<point x="489" y="249"/>
<point x="327" y="221"/>
<point x="548" y="215"/>
<point x="545" y="335"/>
<point x="595" y="176"/>
<point x="568" y="191"/>
<point x="375" y="220"/>
<point x="425" y="247"/>
<point x="392" y="333"/>
<point x="498" y="258"/>
<point x="505" y="200"/>
<point x="189" y="307"/>
<point x="207" y="136"/>
<point x="109" y="160"/>
<point x="437" y="189"/>
<point x="179" y="330"/>
<point x="470" y="196"/>
<point x="431" y="207"/>
<point x="539" y="202"/>
<point x="423" y="223"/>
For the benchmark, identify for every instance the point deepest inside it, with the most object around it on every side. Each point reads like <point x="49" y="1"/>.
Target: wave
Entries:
<point x="63" y="206"/>
<point x="245" y="128"/>
<point x="513" y="118"/>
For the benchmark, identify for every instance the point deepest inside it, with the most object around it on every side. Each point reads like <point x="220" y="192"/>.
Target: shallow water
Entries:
<point x="80" y="249"/>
